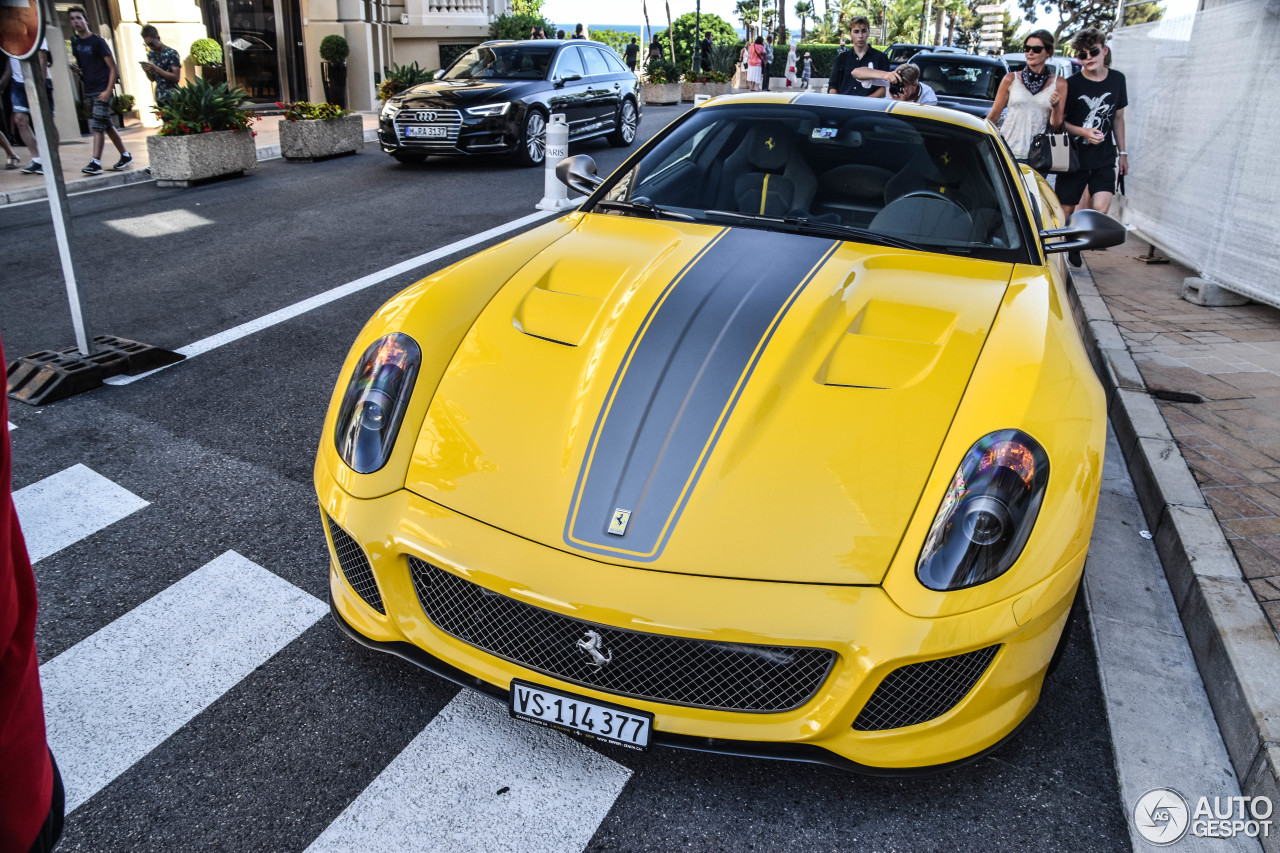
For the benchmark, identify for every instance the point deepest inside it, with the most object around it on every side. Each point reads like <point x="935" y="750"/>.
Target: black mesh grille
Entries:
<point x="921" y="691"/>
<point x="674" y="670"/>
<point x="355" y="566"/>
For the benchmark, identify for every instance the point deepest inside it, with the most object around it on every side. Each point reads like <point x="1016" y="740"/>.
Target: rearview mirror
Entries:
<point x="438" y="74"/>
<point x="1086" y="229"/>
<point x="578" y="173"/>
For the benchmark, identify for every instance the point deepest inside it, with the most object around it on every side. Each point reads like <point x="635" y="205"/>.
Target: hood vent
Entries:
<point x="888" y="345"/>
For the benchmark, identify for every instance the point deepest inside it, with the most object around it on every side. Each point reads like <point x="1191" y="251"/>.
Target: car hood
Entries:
<point x="466" y="92"/>
<point x="704" y="400"/>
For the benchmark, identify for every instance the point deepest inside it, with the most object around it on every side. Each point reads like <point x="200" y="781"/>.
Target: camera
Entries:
<point x="897" y="88"/>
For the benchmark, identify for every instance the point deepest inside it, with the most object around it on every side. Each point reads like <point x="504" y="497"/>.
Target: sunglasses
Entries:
<point x="1089" y="53"/>
<point x="1034" y="48"/>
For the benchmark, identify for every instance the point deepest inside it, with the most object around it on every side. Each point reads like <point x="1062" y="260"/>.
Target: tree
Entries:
<point x="804" y="10"/>
<point x="1072" y="15"/>
<point x="671" y="43"/>
<point x="681" y="35"/>
<point x="526" y="7"/>
<point x="644" y="4"/>
<point x="748" y="11"/>
<point x="1142" y="13"/>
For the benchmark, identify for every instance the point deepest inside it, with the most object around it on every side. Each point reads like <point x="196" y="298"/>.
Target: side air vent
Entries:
<point x="355" y="566"/>
<point x="922" y="691"/>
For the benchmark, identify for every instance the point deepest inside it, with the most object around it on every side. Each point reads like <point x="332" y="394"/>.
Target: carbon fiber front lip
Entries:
<point x="801" y="752"/>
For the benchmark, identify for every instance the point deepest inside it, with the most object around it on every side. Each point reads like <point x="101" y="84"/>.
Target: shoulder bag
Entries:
<point x="1052" y="152"/>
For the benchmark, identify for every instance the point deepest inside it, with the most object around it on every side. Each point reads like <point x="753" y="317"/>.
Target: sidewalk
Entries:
<point x="1194" y="397"/>
<point x="17" y="187"/>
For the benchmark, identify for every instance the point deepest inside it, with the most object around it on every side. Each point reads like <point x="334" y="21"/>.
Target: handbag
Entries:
<point x="1052" y="152"/>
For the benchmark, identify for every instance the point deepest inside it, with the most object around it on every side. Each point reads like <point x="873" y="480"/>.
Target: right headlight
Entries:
<point x="375" y="401"/>
<point x="987" y="514"/>
<point x="390" y="108"/>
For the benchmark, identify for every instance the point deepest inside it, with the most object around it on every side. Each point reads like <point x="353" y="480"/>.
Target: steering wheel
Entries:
<point x="933" y="194"/>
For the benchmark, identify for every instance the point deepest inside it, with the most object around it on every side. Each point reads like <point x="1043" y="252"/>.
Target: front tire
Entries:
<point x="628" y="122"/>
<point x="409" y="157"/>
<point x="531" y="150"/>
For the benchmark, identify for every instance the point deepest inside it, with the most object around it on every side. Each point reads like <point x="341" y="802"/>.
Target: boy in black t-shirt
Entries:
<point x="97" y="69"/>
<point x="1094" y="116"/>
<point x="860" y="55"/>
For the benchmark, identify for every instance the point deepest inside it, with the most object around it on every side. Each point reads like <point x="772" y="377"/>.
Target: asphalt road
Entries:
<point x="221" y="447"/>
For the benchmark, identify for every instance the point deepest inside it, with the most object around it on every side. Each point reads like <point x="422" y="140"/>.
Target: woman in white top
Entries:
<point x="1035" y="97"/>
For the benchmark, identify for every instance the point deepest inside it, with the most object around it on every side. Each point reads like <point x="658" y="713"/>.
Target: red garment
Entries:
<point x="26" y="782"/>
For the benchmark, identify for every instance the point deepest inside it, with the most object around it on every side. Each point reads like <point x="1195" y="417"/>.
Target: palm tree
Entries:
<point x="804" y="10"/>
<point x="671" y="38"/>
<point x="644" y="4"/>
<point x="748" y="11"/>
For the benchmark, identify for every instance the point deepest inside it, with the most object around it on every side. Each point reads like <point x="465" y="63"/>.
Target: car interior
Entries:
<point x="519" y="62"/>
<point x="924" y="181"/>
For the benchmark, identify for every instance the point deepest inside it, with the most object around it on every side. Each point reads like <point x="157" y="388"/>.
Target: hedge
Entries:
<point x="823" y="56"/>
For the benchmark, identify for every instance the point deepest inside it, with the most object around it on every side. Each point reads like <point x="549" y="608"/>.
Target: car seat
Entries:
<point x="766" y="175"/>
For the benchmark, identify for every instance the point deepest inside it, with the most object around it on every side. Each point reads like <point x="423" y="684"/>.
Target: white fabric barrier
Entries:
<point x="1203" y="135"/>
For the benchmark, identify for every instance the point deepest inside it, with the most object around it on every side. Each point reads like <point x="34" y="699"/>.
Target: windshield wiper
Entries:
<point x="803" y="225"/>
<point x="643" y="207"/>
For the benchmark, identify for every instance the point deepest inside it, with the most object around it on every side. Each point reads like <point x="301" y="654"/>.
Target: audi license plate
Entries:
<point x="427" y="132"/>
<point x="608" y="723"/>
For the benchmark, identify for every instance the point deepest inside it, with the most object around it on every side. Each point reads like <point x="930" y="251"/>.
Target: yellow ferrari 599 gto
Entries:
<point x="783" y="444"/>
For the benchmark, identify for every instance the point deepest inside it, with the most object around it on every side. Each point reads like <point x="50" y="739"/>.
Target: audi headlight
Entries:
<point x="375" y="401"/>
<point x="987" y="513"/>
<point x="489" y="110"/>
<point x="390" y="108"/>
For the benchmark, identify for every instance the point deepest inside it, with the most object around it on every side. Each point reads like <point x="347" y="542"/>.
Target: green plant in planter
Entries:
<point x="121" y="104"/>
<point x="203" y="107"/>
<point x="334" y="48"/>
<point x="397" y="78"/>
<point x="306" y="111"/>
<point x="660" y="71"/>
<point x="205" y="52"/>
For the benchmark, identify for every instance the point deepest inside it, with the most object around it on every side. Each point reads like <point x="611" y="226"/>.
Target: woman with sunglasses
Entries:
<point x="1034" y="97"/>
<point x="1096" y="99"/>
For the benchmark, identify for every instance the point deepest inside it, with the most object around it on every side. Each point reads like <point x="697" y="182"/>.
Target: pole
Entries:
<point x="697" y="36"/>
<point x="46" y="137"/>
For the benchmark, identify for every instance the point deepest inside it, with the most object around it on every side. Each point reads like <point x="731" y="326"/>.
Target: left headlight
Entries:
<point x="987" y="514"/>
<point x="375" y="401"/>
<point x="390" y="108"/>
<point x="490" y="110"/>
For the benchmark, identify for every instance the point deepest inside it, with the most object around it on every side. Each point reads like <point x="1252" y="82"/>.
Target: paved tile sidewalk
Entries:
<point x="1230" y="359"/>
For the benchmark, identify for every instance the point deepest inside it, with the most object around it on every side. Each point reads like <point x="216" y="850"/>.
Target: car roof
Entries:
<point x="853" y="103"/>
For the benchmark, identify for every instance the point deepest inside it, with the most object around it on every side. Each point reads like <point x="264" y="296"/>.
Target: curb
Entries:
<point x="119" y="179"/>
<point x="1231" y="640"/>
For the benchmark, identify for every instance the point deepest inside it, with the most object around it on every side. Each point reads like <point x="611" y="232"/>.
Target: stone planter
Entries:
<point x="689" y="90"/>
<point x="315" y="140"/>
<point x="660" y="93"/>
<point x="179" y="161"/>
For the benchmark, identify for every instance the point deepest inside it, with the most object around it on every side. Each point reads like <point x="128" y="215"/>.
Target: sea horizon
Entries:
<point x="637" y="29"/>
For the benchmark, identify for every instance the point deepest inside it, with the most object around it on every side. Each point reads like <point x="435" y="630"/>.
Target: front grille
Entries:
<point x="450" y="120"/>
<point x="922" y="691"/>
<point x="657" y="667"/>
<point x="355" y="566"/>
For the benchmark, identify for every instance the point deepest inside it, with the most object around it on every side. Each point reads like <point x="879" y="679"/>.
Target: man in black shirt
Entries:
<point x="633" y="50"/>
<point x="860" y="55"/>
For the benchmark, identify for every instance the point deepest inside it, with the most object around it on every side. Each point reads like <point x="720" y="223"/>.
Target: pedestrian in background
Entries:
<point x="579" y="32"/>
<point x="1094" y="116"/>
<point x="560" y="34"/>
<point x="767" y="63"/>
<point x="21" y="107"/>
<point x="633" y="54"/>
<point x="704" y="52"/>
<point x="791" y="66"/>
<point x="755" y="58"/>
<point x="860" y="55"/>
<point x="807" y="73"/>
<point x="98" y="75"/>
<point x="1035" y="97"/>
<point x="903" y="84"/>
<point x="32" y="799"/>
<point x="163" y="66"/>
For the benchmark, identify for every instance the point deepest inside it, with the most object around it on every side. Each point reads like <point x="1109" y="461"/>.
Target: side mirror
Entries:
<point x="1086" y="229"/>
<point x="578" y="173"/>
<point x="571" y="77"/>
<point x="438" y="74"/>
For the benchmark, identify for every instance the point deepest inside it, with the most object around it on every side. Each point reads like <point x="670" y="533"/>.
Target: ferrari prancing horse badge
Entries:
<point x="618" y="523"/>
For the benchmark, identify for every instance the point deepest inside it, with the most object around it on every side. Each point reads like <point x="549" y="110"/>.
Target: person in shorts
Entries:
<point x="98" y="75"/>
<point x="1094" y="116"/>
<point x="21" y="106"/>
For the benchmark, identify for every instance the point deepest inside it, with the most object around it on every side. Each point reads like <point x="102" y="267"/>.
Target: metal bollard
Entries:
<point x="555" y="195"/>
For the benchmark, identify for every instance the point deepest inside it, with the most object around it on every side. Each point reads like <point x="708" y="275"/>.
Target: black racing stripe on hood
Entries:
<point x="678" y="384"/>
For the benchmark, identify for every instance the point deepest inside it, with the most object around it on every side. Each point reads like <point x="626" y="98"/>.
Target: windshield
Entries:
<point x="865" y="176"/>
<point x="962" y="79"/>
<point x="502" y="61"/>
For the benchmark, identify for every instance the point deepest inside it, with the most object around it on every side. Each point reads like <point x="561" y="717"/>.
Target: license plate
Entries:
<point x="428" y="132"/>
<point x="586" y="717"/>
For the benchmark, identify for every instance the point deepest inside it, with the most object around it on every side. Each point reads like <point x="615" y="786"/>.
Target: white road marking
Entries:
<point x="118" y="694"/>
<point x="442" y="791"/>
<point x="321" y="299"/>
<point x="11" y="426"/>
<point x="64" y="508"/>
<point x="163" y="224"/>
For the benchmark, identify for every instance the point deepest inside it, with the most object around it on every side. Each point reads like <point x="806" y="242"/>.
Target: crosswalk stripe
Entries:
<point x="118" y="694"/>
<point x="64" y="508"/>
<point x="476" y="780"/>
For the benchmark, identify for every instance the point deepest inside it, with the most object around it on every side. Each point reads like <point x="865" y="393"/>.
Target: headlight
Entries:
<point x="374" y="403"/>
<point x="390" y="108"/>
<point x="987" y="514"/>
<point x="489" y="110"/>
